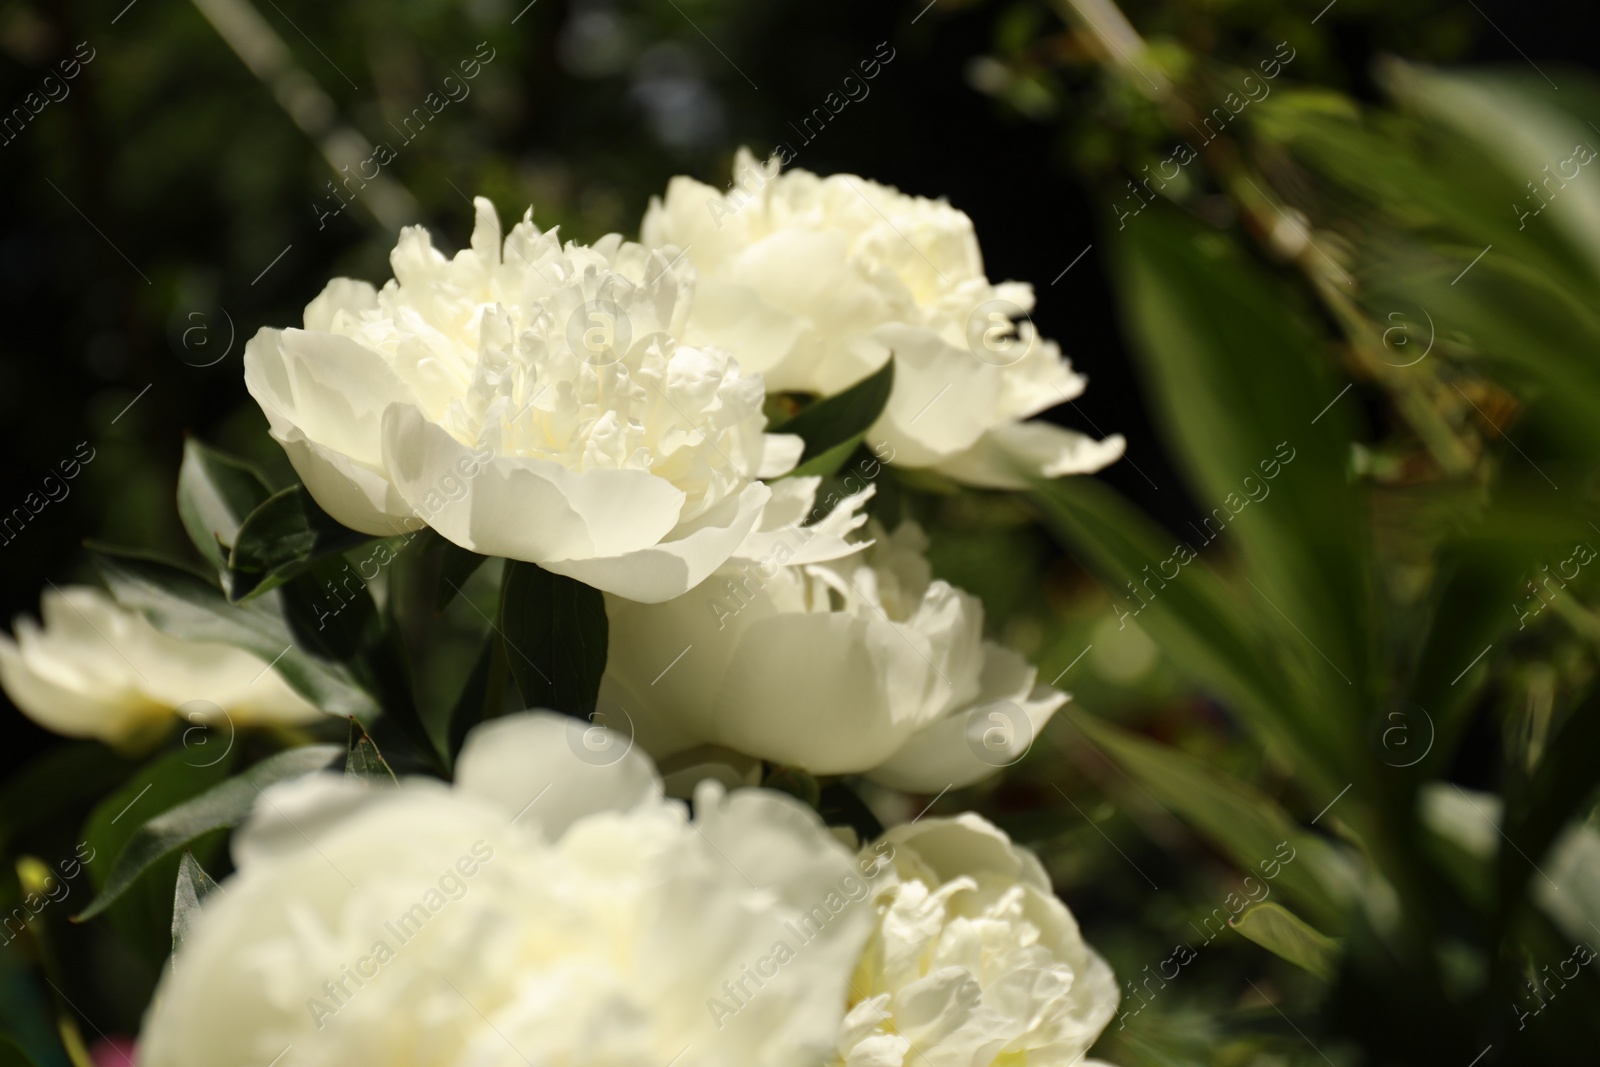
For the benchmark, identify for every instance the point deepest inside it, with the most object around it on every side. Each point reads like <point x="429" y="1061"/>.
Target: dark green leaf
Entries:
<point x="26" y="1020"/>
<point x="1195" y="619"/>
<point x="833" y="426"/>
<point x="555" y="632"/>
<point x="12" y="1056"/>
<point x="1251" y="409"/>
<point x="194" y="885"/>
<point x="1249" y="827"/>
<point x="456" y="565"/>
<point x="143" y="914"/>
<point x="61" y="779"/>
<point x="222" y="806"/>
<point x="363" y="761"/>
<point x="282" y="538"/>
<point x="215" y="493"/>
<point x="181" y="603"/>
<point x="482" y="695"/>
<point x="1283" y="933"/>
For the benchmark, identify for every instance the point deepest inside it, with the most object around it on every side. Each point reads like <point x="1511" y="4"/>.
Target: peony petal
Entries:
<point x="673" y="567"/>
<point x="547" y="769"/>
<point x="520" y="508"/>
<point x="943" y="401"/>
<point x="1012" y="453"/>
<point x="776" y="703"/>
<point x="340" y="304"/>
<point x="996" y="731"/>
<point x="779" y="345"/>
<point x="968" y="844"/>
<point x="780" y="453"/>
<point x="354" y="489"/>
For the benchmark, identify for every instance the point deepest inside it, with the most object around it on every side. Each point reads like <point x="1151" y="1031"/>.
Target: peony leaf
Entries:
<point x="1257" y="834"/>
<point x="194" y="885"/>
<point x="1283" y="933"/>
<point x="481" y="696"/>
<point x="1250" y="408"/>
<point x="834" y="426"/>
<point x="143" y="915"/>
<point x="1195" y="618"/>
<point x="12" y="1056"/>
<point x="363" y="761"/>
<point x="555" y="631"/>
<point x="215" y="494"/>
<point x="28" y="1037"/>
<point x="181" y="603"/>
<point x="224" y="805"/>
<point x="282" y="538"/>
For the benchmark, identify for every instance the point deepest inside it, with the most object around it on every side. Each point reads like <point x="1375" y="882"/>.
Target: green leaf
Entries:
<point x="26" y="1022"/>
<point x="1246" y="825"/>
<point x="12" y="1056"/>
<point x="222" y="806"/>
<point x="1194" y="618"/>
<point x="833" y="426"/>
<point x="183" y="604"/>
<point x="363" y="761"/>
<point x="1243" y="388"/>
<point x="482" y="694"/>
<point x="1283" y="933"/>
<point x="61" y="779"/>
<point x="456" y="565"/>
<point x="555" y="632"/>
<point x="142" y="914"/>
<point x="282" y="538"/>
<point x="215" y="493"/>
<point x="194" y="885"/>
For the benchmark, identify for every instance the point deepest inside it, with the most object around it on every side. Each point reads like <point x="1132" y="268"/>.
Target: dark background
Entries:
<point x="144" y="204"/>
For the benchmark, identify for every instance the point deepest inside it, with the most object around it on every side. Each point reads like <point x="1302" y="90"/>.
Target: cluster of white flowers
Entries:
<point x="600" y="411"/>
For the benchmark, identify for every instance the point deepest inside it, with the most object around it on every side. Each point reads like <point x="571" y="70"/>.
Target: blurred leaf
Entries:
<point x="142" y="914"/>
<point x="26" y="1022"/>
<point x="66" y="775"/>
<point x="13" y="1056"/>
<point x="194" y="885"/>
<point x="1243" y="392"/>
<point x="181" y="603"/>
<point x="456" y="565"/>
<point x="363" y="761"/>
<point x="1283" y="933"/>
<point x="555" y="632"/>
<point x="1539" y="802"/>
<point x="215" y="493"/>
<point x="1249" y="827"/>
<point x="282" y="538"/>
<point x="222" y="806"/>
<point x="1193" y="617"/>
<point x="1529" y="130"/>
<point x="26" y="1018"/>
<point x="480" y="697"/>
<point x="834" y="426"/>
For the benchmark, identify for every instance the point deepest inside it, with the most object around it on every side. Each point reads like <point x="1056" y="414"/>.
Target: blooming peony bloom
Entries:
<point x="815" y="281"/>
<point x="96" y="669"/>
<point x="551" y="908"/>
<point x="530" y="400"/>
<point x="975" y="961"/>
<point x="864" y="664"/>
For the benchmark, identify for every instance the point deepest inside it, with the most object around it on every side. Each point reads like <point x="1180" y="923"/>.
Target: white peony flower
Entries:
<point x="549" y="909"/>
<point x="96" y="669"/>
<point x="975" y="961"/>
<point x="815" y="281"/>
<point x="531" y="400"/>
<point x="864" y="664"/>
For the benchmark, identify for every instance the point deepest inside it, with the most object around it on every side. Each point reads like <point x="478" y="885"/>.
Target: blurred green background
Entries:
<point x="176" y="197"/>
